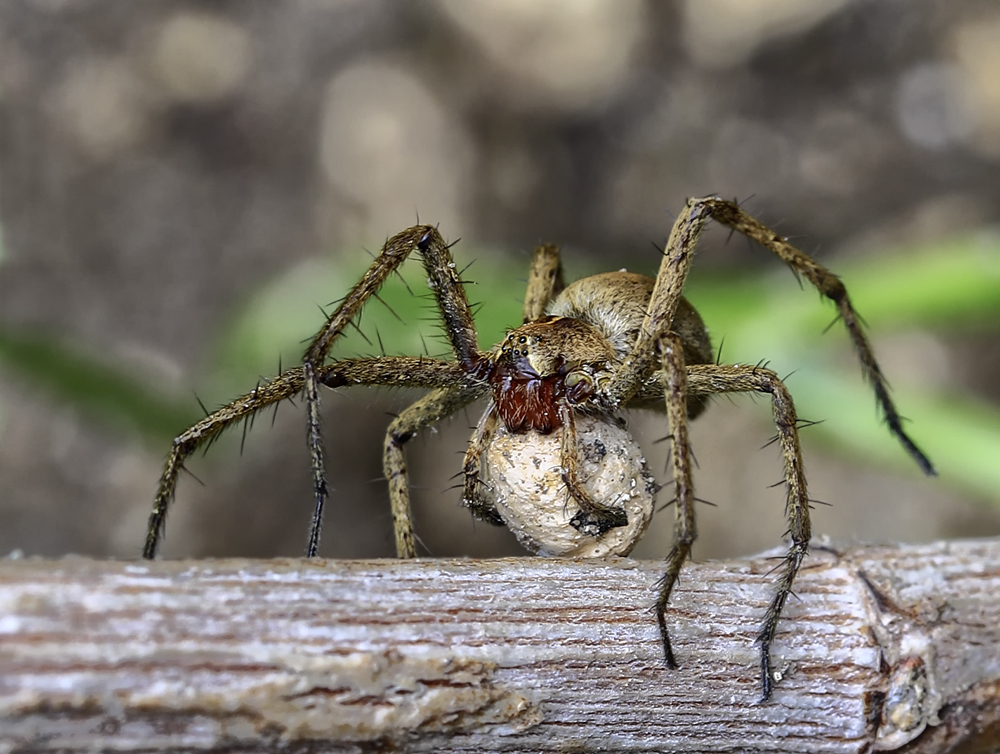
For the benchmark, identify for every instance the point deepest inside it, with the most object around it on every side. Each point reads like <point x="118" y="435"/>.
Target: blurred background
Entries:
<point x="183" y="185"/>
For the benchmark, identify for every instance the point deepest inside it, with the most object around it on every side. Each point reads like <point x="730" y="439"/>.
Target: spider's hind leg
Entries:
<point x="545" y="281"/>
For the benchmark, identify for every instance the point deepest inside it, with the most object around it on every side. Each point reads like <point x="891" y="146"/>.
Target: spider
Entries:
<point x="583" y="353"/>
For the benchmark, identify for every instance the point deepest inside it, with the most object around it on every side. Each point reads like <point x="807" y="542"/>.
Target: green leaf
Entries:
<point x="106" y="394"/>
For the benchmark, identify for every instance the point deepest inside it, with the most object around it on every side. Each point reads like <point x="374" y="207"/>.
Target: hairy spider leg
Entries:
<point x="710" y="379"/>
<point x="685" y="532"/>
<point x="445" y="284"/>
<point x="427" y="410"/>
<point x="828" y="285"/>
<point x="673" y="272"/>
<point x="633" y="381"/>
<point x="641" y="361"/>
<point x="472" y="469"/>
<point x="407" y="371"/>
<point x="545" y="281"/>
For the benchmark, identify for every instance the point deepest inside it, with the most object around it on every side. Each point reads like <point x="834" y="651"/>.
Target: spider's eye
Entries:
<point x="522" y="339"/>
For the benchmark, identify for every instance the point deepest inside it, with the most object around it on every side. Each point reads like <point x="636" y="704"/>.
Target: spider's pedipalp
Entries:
<point x="475" y="495"/>
<point x="596" y="516"/>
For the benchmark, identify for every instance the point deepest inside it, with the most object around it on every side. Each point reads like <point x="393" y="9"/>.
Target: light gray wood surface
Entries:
<point x="885" y="646"/>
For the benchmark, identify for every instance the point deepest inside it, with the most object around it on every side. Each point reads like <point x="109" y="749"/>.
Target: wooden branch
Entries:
<point x="886" y="646"/>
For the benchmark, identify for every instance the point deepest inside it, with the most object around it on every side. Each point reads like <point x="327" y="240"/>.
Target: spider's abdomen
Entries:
<point x="615" y="303"/>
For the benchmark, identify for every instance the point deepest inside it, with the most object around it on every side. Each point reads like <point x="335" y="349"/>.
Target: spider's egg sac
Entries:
<point x="523" y="473"/>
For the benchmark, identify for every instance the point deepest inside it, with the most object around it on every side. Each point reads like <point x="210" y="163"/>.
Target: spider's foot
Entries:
<point x="661" y="619"/>
<point x="766" y="676"/>
<point x="668" y="652"/>
<point x="595" y="523"/>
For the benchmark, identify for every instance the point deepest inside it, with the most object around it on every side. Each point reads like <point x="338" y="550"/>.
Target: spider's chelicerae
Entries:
<point x="583" y="353"/>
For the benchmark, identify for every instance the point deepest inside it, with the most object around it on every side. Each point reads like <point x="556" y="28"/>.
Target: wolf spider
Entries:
<point x="607" y="342"/>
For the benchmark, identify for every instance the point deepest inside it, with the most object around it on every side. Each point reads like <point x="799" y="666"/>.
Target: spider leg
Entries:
<point x="429" y="409"/>
<point x="472" y="468"/>
<point x="444" y="282"/>
<point x="828" y="285"/>
<point x="442" y="279"/>
<point x="393" y="371"/>
<point x="640" y="363"/>
<point x="594" y="518"/>
<point x="545" y="281"/>
<point x="283" y="386"/>
<point x="317" y="459"/>
<point x="673" y="272"/>
<point x="708" y="379"/>
<point x="675" y="387"/>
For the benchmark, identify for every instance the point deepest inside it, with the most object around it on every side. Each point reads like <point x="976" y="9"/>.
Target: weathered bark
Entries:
<point x="891" y="646"/>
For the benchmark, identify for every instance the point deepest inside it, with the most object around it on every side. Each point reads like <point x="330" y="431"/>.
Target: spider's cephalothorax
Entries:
<point x="546" y="365"/>
<point x="556" y="387"/>
<point x="558" y="365"/>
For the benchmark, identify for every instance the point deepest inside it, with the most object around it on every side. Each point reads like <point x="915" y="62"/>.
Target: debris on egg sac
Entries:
<point x="523" y="475"/>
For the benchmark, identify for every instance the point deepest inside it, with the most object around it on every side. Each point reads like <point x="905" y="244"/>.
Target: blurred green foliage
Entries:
<point x="942" y="288"/>
<point x="102" y="391"/>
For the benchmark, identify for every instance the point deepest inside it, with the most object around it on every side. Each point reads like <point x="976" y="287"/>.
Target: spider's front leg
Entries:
<point x="633" y="382"/>
<point x="397" y="371"/>
<point x="445" y="284"/>
<point x="680" y="382"/>
<point x="711" y="379"/>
